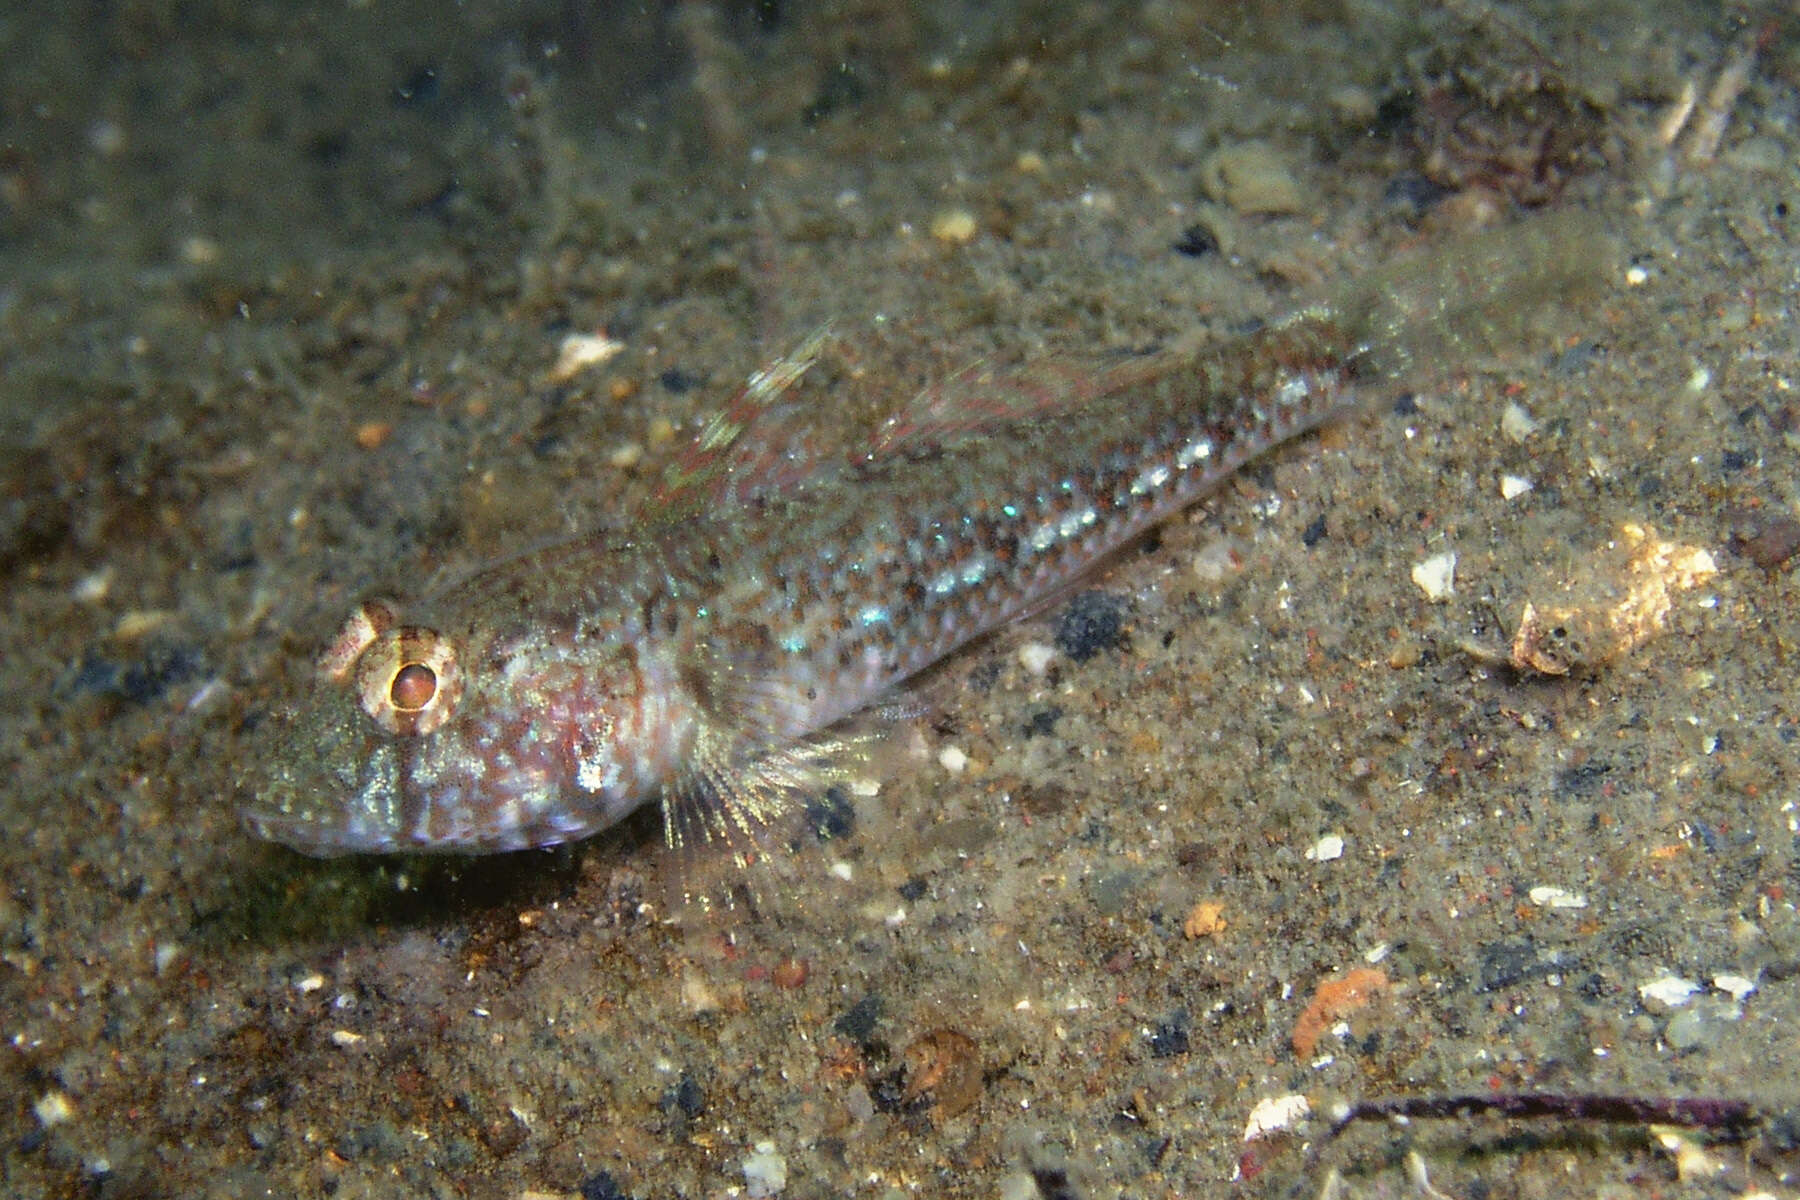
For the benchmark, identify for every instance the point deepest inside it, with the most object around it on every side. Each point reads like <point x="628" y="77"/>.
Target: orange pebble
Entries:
<point x="371" y="434"/>
<point x="1332" y="1001"/>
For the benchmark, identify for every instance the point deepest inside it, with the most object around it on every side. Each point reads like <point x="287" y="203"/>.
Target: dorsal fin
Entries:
<point x="742" y="451"/>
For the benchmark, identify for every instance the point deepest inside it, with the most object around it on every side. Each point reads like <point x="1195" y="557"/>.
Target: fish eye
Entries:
<point x="414" y="686"/>
<point x="408" y="681"/>
<point x="405" y="677"/>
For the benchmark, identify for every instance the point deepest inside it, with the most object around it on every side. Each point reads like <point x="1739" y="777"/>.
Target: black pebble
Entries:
<point x="601" y="1186"/>
<point x="1094" y="621"/>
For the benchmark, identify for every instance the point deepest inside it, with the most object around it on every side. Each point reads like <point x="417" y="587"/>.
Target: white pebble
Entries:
<point x="952" y="760"/>
<point x="1216" y="561"/>
<point x="1670" y="990"/>
<point x="1436" y="576"/>
<point x="1275" y="1113"/>
<point x="92" y="587"/>
<point x="1513" y="486"/>
<point x="765" y="1172"/>
<point x="1735" y="986"/>
<point x="53" y="1109"/>
<point x="1555" y="897"/>
<point x="344" y="1039"/>
<point x="1327" y="848"/>
<point x="1035" y="657"/>
<point x="579" y="351"/>
<point x="1517" y="423"/>
<point x="955" y="226"/>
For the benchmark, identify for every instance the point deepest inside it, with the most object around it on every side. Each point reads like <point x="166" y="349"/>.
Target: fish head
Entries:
<point x="411" y="738"/>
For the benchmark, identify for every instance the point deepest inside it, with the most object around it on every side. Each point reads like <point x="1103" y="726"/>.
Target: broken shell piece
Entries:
<point x="579" y="351"/>
<point x="1620" y="604"/>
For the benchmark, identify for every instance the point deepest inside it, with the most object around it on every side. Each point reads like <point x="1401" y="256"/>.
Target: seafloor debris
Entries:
<point x="1622" y="600"/>
<point x="1332" y="1001"/>
<point x="944" y="1065"/>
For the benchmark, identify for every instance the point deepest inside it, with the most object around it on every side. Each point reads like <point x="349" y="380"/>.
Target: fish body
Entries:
<point x="698" y="659"/>
<point x="703" y="658"/>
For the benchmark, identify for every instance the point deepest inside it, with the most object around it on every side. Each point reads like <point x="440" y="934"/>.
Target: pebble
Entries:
<point x="371" y="434"/>
<point x="53" y="1108"/>
<point x="944" y="1064"/>
<point x="1517" y="423"/>
<point x="1671" y="990"/>
<point x="1251" y="177"/>
<point x="1735" y="986"/>
<point x="1768" y="541"/>
<point x="93" y="587"/>
<point x="954" y="226"/>
<point x="1513" y="486"/>
<point x="1406" y="653"/>
<point x="1436" y="576"/>
<point x="1275" y="1113"/>
<point x="1700" y="1025"/>
<point x="1555" y="897"/>
<point x="1326" y="849"/>
<point x="1205" y="919"/>
<point x="1216" y="562"/>
<point x="1093" y="621"/>
<point x="579" y="351"/>
<point x="765" y="1171"/>
<point x="1035" y="657"/>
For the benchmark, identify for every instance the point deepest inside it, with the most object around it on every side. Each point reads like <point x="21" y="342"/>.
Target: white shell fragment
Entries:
<point x="1517" y="423"/>
<point x="1619" y="600"/>
<point x="1275" y="1113"/>
<point x="1671" y="990"/>
<point x="1035" y="657"/>
<point x="1735" y="986"/>
<point x="1555" y="897"/>
<point x="1436" y="576"/>
<point x="765" y="1171"/>
<point x="1326" y="849"/>
<point x="579" y="351"/>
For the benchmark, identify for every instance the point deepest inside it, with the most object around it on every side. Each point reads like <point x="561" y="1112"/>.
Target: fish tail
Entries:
<point x="1477" y="296"/>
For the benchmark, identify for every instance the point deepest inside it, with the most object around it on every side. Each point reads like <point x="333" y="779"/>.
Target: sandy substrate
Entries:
<point x="282" y="297"/>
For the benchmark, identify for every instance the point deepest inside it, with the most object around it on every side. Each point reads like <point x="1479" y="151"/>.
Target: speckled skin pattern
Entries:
<point x="703" y="660"/>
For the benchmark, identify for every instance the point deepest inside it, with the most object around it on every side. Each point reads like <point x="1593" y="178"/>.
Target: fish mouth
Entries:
<point x="321" y="783"/>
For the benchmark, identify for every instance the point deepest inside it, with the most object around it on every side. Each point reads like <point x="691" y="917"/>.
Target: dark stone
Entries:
<point x="1197" y="241"/>
<point x="686" y="1098"/>
<point x="858" y="1023"/>
<point x="1170" y="1037"/>
<point x="831" y="815"/>
<point x="1093" y="621"/>
<point x="601" y="1186"/>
